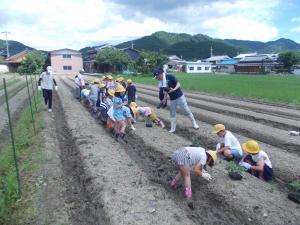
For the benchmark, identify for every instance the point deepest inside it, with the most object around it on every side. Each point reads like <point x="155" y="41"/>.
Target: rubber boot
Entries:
<point x="195" y="125"/>
<point x="173" y="125"/>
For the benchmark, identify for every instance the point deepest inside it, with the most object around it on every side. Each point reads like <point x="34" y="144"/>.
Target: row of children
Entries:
<point x="114" y="104"/>
<point x="194" y="158"/>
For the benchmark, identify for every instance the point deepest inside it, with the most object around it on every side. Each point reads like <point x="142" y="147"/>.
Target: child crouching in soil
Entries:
<point x="256" y="161"/>
<point x="189" y="159"/>
<point x="106" y="105"/>
<point x="145" y="112"/>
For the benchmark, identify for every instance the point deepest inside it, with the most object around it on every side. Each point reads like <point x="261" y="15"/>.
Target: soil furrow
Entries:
<point x="152" y="150"/>
<point x="276" y="109"/>
<point x="128" y="196"/>
<point x="263" y="133"/>
<point x="81" y="193"/>
<point x="270" y="120"/>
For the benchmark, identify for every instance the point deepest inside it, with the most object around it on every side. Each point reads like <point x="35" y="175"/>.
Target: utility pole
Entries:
<point x="7" y="51"/>
<point x="132" y="44"/>
<point x="211" y="51"/>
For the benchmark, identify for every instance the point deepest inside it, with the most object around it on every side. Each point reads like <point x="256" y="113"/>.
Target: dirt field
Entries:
<point x="104" y="182"/>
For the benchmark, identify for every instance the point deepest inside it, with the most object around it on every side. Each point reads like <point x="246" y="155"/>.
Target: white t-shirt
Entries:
<point x="81" y="80"/>
<point x="230" y="141"/>
<point x="77" y="81"/>
<point x="262" y="154"/>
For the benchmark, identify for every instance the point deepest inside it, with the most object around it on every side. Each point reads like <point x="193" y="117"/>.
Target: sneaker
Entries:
<point x="132" y="127"/>
<point x="173" y="184"/>
<point x="162" y="124"/>
<point x="49" y="110"/>
<point x="188" y="193"/>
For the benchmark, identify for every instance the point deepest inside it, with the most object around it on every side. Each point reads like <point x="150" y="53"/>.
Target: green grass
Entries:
<point x="264" y="87"/>
<point x="12" y="210"/>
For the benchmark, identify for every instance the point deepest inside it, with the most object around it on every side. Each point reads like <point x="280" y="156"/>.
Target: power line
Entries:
<point x="7" y="51"/>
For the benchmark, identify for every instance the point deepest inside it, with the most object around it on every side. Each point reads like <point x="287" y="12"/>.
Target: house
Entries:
<point x="197" y="67"/>
<point x="66" y="61"/>
<point x="226" y="65"/>
<point x="296" y="70"/>
<point x="132" y="53"/>
<point x="13" y="62"/>
<point x="256" y="64"/>
<point x="241" y="56"/>
<point x="214" y="59"/>
<point x="175" y="63"/>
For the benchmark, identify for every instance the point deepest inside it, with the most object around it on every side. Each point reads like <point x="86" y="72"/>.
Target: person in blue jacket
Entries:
<point x="177" y="98"/>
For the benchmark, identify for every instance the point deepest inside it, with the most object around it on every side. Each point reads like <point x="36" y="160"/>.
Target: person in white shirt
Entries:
<point x="229" y="146"/>
<point x="45" y="84"/>
<point x="256" y="161"/>
<point x="79" y="82"/>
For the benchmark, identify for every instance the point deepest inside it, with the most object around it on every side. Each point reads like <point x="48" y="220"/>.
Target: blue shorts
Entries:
<point x="236" y="154"/>
<point x="93" y="101"/>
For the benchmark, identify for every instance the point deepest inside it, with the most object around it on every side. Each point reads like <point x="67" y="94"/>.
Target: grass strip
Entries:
<point x="28" y="147"/>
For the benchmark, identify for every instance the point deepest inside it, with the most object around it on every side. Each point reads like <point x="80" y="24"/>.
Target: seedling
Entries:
<point x="235" y="168"/>
<point x="295" y="185"/>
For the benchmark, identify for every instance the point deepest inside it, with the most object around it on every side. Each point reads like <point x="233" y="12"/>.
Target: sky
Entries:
<point x="56" y="24"/>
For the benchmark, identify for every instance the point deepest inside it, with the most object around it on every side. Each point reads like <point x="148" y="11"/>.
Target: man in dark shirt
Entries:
<point x="131" y="91"/>
<point x="177" y="98"/>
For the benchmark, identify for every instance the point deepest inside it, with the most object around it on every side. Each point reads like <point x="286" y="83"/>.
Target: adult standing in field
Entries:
<point x="45" y="83"/>
<point x="177" y="98"/>
<point x="80" y="82"/>
<point x="130" y="91"/>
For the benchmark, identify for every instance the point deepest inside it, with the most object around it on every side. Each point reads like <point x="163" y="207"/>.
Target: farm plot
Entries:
<point x="147" y="155"/>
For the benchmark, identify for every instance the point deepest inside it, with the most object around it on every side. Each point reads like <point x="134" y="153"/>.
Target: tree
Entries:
<point x="148" y="61"/>
<point x="32" y="64"/>
<point x="116" y="59"/>
<point x="289" y="59"/>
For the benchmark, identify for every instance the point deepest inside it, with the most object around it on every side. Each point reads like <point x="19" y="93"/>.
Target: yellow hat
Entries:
<point x="218" y="128"/>
<point x="120" y="79"/>
<point x="111" y="92"/>
<point x="213" y="155"/>
<point x="96" y="81"/>
<point x="109" y="77"/>
<point x="129" y="81"/>
<point x="120" y="88"/>
<point x="133" y="107"/>
<point x="102" y="85"/>
<point x="103" y="77"/>
<point x="251" y="147"/>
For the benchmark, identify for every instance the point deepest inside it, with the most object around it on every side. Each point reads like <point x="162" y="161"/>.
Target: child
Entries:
<point x="130" y="91"/>
<point x="109" y="82"/>
<point x="256" y="161"/>
<point x="121" y="114"/>
<point x="230" y="147"/>
<point x="145" y="112"/>
<point x="188" y="159"/>
<point x="106" y="105"/>
<point x="101" y="94"/>
<point x="93" y="96"/>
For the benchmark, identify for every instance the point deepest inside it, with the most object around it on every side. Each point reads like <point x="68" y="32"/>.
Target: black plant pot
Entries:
<point x="235" y="176"/>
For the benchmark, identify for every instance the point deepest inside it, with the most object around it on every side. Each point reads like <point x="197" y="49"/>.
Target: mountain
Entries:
<point x="14" y="47"/>
<point x="198" y="46"/>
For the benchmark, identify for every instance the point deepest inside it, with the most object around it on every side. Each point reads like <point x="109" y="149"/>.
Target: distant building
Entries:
<point x="256" y="64"/>
<point x="66" y="61"/>
<point x="214" y="59"/>
<point x="226" y="65"/>
<point x="241" y="56"/>
<point x="175" y="63"/>
<point x="132" y="53"/>
<point x="13" y="62"/>
<point x="197" y="67"/>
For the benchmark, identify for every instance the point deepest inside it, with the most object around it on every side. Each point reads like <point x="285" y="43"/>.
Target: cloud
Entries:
<point x="75" y="24"/>
<point x="295" y="19"/>
<point x="296" y="29"/>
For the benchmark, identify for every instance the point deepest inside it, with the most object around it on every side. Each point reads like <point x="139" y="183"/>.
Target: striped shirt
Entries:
<point x="106" y="104"/>
<point x="190" y="156"/>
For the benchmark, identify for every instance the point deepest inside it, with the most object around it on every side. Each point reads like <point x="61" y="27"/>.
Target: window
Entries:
<point x="199" y="68"/>
<point x="191" y="68"/>
<point x="67" y="67"/>
<point x="66" y="56"/>
<point x="206" y="68"/>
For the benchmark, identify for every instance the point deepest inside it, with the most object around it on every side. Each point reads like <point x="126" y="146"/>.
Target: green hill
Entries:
<point x="14" y="47"/>
<point x="198" y="46"/>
